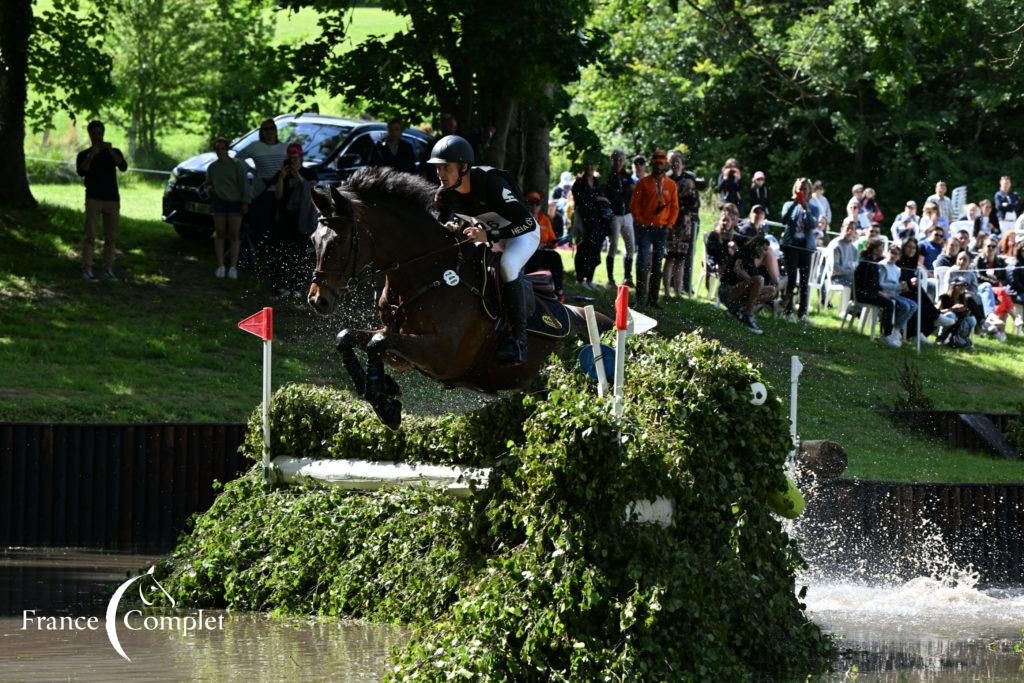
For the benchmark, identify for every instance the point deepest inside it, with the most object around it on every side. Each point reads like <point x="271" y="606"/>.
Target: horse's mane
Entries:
<point x="383" y="182"/>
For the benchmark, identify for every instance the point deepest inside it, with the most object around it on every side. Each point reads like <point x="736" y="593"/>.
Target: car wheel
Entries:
<point x="190" y="232"/>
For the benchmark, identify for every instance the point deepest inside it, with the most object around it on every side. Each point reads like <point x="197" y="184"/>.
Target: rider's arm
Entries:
<point x="503" y="201"/>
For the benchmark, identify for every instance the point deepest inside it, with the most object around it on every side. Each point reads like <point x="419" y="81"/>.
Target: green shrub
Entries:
<point x="543" y="575"/>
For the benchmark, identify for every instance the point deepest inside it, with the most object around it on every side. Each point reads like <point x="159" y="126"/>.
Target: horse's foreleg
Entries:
<point x="347" y="341"/>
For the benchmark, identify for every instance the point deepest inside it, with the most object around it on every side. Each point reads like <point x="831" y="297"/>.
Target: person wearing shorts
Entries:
<point x="98" y="165"/>
<point x="229" y="199"/>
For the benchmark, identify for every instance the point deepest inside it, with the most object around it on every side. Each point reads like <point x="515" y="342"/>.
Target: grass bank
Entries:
<point x="162" y="345"/>
<point x="847" y="378"/>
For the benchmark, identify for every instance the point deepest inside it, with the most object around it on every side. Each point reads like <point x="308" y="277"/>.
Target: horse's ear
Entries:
<point x="321" y="197"/>
<point x="342" y="204"/>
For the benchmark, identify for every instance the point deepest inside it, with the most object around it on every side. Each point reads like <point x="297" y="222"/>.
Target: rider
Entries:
<point x="486" y="199"/>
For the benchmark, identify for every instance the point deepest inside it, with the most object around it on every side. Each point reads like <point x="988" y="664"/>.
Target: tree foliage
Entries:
<point x="890" y="93"/>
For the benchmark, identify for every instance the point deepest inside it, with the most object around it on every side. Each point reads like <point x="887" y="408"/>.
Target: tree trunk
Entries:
<point x="537" y="148"/>
<point x="133" y="134"/>
<point x="15" y="29"/>
<point x="502" y="124"/>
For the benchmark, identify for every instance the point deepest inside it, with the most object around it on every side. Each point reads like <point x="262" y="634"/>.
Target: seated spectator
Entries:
<point x="716" y="246"/>
<point x="893" y="285"/>
<point x="932" y="248"/>
<point x="963" y="271"/>
<point x="954" y="301"/>
<point x="868" y="290"/>
<point x="978" y="243"/>
<point x="743" y="288"/>
<point x="1007" y="202"/>
<point x="929" y="218"/>
<point x="1016" y="284"/>
<point x="966" y="221"/>
<point x="843" y="254"/>
<point x="869" y="205"/>
<point x="759" y="192"/>
<point x="950" y="250"/>
<point x="729" y="188"/>
<point x="819" y="201"/>
<point x="545" y="258"/>
<point x="751" y="227"/>
<point x="931" y="319"/>
<point x="1008" y="248"/>
<point x="908" y="218"/>
<point x="872" y="233"/>
<point x="964" y="238"/>
<point x="993" y="272"/>
<point x="943" y="203"/>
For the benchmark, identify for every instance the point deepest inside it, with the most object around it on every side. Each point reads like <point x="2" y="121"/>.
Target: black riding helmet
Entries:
<point x="451" y="149"/>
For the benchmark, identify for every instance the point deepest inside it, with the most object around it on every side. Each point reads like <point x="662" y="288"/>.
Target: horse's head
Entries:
<point x="339" y="254"/>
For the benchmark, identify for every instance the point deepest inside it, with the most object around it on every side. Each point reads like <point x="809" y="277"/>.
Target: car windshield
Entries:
<point x="318" y="140"/>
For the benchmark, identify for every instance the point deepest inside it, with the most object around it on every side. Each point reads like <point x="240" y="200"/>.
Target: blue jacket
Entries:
<point x="794" y="216"/>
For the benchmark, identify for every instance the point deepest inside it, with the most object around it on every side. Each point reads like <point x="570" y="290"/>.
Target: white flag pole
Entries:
<point x="595" y="344"/>
<point x="795" y="368"/>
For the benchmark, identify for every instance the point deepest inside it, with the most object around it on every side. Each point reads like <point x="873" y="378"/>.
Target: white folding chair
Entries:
<point x="868" y="313"/>
<point x="845" y="291"/>
<point x="1018" y="312"/>
<point x="958" y="199"/>
<point x="817" y="273"/>
<point x="710" y="280"/>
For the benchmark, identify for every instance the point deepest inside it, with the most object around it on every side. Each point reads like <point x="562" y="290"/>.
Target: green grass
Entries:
<point x="161" y="345"/>
<point x="847" y="378"/>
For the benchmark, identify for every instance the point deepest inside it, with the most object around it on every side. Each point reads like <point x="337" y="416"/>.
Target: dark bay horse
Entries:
<point x="379" y="222"/>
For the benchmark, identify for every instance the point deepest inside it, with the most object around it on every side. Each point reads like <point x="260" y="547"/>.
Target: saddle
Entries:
<point x="546" y="316"/>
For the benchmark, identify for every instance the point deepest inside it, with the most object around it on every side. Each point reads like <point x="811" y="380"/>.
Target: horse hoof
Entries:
<point x="389" y="411"/>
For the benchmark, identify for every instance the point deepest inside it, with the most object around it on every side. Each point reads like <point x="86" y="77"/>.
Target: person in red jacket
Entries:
<point x="655" y="208"/>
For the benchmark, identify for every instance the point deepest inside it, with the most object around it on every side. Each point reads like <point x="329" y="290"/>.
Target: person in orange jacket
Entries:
<point x="655" y="208"/>
<point x="545" y="258"/>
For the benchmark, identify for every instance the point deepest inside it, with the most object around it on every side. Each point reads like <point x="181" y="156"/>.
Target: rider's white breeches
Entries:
<point x="516" y="252"/>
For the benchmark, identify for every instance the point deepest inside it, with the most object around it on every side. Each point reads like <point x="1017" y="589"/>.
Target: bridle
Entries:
<point x="354" y="275"/>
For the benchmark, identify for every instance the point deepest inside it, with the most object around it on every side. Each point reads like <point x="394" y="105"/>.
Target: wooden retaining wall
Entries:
<point x="117" y="487"/>
<point x="947" y="425"/>
<point x="901" y="530"/>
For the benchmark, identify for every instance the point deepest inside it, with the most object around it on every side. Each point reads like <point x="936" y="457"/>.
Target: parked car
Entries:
<point x="334" y="147"/>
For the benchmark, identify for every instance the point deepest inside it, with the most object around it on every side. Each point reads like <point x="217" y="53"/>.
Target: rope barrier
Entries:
<point x="71" y="164"/>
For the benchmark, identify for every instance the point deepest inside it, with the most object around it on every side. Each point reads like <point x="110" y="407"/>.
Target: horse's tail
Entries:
<point x="579" y="321"/>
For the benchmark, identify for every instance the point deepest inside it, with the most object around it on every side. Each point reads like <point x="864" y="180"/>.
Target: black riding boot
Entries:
<point x="513" y="349"/>
<point x="642" y="279"/>
<point x="627" y="265"/>
<point x="610" y="265"/>
<point x="655" y="287"/>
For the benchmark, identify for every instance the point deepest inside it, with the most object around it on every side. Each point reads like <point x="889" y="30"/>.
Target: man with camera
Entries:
<point x="98" y="165"/>
<point x="655" y="208"/>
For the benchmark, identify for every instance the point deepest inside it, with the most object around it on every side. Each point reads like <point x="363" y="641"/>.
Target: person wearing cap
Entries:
<point x="900" y="225"/>
<point x="751" y="227"/>
<point x="619" y="191"/>
<point x="230" y="194"/>
<point x="292" y="225"/>
<point x="639" y="168"/>
<point x="545" y="258"/>
<point x="759" y="192"/>
<point x="954" y="301"/>
<point x="655" y="208"/>
<point x="689" y="205"/>
<point x="488" y="202"/>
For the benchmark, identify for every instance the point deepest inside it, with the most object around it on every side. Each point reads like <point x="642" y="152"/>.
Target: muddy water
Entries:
<point x="927" y="629"/>
<point x="237" y="647"/>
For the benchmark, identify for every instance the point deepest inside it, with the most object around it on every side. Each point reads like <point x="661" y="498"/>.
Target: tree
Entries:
<point x="489" y="64"/>
<point x="886" y="92"/>
<point x="60" y="52"/>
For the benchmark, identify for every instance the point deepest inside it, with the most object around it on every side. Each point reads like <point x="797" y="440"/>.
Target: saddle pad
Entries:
<point x="549" y="318"/>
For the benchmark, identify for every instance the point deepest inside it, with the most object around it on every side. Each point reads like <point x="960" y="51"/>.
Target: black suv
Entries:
<point x="334" y="147"/>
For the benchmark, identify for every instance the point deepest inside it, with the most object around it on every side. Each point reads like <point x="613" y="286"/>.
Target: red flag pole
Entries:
<point x="262" y="325"/>
<point x="621" y="324"/>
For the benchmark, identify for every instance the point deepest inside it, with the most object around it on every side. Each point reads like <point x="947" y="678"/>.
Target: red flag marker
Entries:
<point x="261" y="324"/>
<point x="622" y="308"/>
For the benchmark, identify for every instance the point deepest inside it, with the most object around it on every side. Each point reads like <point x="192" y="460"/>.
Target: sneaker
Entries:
<point x="232" y="273"/>
<point x="108" y="275"/>
<point x="1018" y="322"/>
<point x="219" y="273"/>
<point x="925" y="341"/>
<point x="629" y="283"/>
<point x="88" y="276"/>
<point x="892" y="340"/>
<point x="805" y="320"/>
<point x="751" y="324"/>
<point x="791" y="318"/>
<point x="611" y="284"/>
<point x="1000" y="335"/>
